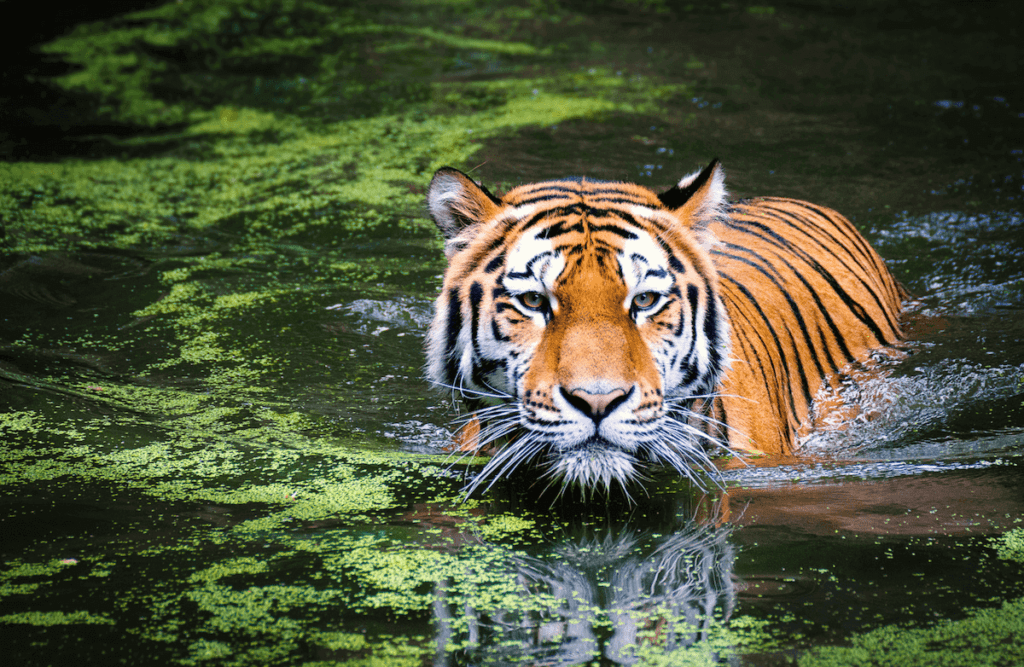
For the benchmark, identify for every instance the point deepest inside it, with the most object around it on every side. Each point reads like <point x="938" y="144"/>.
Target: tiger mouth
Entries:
<point x="594" y="442"/>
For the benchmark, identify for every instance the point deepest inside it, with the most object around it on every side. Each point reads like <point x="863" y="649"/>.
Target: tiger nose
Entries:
<point x="596" y="406"/>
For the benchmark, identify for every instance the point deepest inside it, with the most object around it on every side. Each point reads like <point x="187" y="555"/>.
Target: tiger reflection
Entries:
<point x="610" y="596"/>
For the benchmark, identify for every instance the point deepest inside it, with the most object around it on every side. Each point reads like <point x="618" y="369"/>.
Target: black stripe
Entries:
<point x="673" y="261"/>
<point x="476" y="296"/>
<point x="498" y="336"/>
<point x="613" y="212"/>
<point x="617" y="200"/>
<point x="778" y="345"/>
<point x="614" y="229"/>
<point x="492" y="246"/>
<point x="711" y="331"/>
<point x="848" y="231"/>
<point x="774" y="238"/>
<point x="580" y="209"/>
<point x="534" y="199"/>
<point x="872" y="257"/>
<point x="765" y="270"/>
<point x="693" y="298"/>
<point x="454" y="327"/>
<point x="755" y="358"/>
<point x="529" y="266"/>
<point x="495" y="263"/>
<point x="560" y="229"/>
<point x="551" y="212"/>
<point x="745" y="341"/>
<point x="770" y="274"/>
<point x="838" y="335"/>
<point x="596" y="245"/>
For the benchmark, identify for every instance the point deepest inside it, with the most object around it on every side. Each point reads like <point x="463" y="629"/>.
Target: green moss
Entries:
<point x="15" y="570"/>
<point x="258" y="610"/>
<point x="244" y="565"/>
<point x="145" y="202"/>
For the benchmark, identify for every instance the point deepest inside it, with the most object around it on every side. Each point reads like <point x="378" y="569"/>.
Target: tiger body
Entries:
<point x="599" y="328"/>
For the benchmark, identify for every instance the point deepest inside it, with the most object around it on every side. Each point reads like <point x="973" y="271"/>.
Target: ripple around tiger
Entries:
<point x="596" y="328"/>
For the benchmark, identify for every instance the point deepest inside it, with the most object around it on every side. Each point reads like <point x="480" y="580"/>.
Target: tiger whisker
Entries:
<point x="485" y="414"/>
<point x="707" y="419"/>
<point x="517" y="453"/>
<point x="466" y="392"/>
<point x="503" y="463"/>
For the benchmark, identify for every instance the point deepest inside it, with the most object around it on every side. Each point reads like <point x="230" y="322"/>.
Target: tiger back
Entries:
<point x="807" y="296"/>
<point x="597" y="329"/>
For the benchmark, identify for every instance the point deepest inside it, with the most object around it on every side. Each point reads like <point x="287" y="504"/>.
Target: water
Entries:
<point x="218" y="446"/>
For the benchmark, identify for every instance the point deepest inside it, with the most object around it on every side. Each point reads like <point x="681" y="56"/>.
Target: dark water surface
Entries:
<point x="216" y="271"/>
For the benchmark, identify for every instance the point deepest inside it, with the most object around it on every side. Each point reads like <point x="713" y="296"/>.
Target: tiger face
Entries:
<point x="582" y="320"/>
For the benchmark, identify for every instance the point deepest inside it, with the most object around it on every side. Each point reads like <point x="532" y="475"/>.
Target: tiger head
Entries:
<point x="582" y="320"/>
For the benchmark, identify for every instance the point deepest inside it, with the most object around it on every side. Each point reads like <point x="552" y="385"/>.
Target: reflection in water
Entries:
<point x="605" y="595"/>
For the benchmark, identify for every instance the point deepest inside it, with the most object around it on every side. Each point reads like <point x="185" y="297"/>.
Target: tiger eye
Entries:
<point x="644" y="300"/>
<point x="532" y="300"/>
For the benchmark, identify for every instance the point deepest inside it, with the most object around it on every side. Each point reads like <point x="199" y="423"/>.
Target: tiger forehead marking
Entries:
<point x="533" y="265"/>
<point x="598" y="329"/>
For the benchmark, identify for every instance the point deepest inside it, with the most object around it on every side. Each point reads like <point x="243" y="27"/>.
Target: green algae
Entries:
<point x="48" y="618"/>
<point x="985" y="637"/>
<point x="335" y="641"/>
<point x="205" y="649"/>
<point x="1010" y="545"/>
<point x="132" y="63"/>
<point x="310" y="173"/>
<point x="18" y="421"/>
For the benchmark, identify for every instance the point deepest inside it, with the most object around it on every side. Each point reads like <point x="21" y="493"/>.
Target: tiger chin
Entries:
<point x="598" y="329"/>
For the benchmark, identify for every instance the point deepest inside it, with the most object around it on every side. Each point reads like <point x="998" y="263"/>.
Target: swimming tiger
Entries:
<point x="598" y="328"/>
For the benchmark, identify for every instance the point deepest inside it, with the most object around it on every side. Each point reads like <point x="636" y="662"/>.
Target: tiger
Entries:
<point x="598" y="330"/>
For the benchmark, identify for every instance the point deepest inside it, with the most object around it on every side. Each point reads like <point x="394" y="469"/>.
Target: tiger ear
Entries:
<point x="699" y="197"/>
<point x="457" y="202"/>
